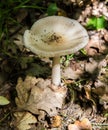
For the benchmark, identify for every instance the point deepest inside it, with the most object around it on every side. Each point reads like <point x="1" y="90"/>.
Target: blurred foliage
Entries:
<point x="52" y="9"/>
<point x="83" y="51"/>
<point x="4" y="101"/>
<point x="65" y="60"/>
<point x="96" y="23"/>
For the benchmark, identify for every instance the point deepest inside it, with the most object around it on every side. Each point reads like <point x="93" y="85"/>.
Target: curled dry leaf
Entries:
<point x="24" y="120"/>
<point x="97" y="44"/>
<point x="81" y="125"/>
<point x="37" y="95"/>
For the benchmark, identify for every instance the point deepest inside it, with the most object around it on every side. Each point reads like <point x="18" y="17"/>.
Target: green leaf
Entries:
<point x="101" y="22"/>
<point x="96" y="23"/>
<point x="52" y="9"/>
<point x="4" y="101"/>
<point x="83" y="51"/>
<point x="91" y="24"/>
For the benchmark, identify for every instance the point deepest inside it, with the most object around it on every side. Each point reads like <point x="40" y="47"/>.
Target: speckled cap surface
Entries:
<point x="55" y="36"/>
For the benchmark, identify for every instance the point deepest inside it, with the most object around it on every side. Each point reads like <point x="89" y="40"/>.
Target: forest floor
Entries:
<point x="85" y="73"/>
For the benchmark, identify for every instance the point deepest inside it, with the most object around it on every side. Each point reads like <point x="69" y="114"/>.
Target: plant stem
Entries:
<point x="56" y="75"/>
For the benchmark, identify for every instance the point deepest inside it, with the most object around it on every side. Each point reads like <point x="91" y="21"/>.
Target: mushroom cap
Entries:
<point x="55" y="36"/>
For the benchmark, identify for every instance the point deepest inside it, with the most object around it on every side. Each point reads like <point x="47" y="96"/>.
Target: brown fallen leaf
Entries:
<point x="37" y="95"/>
<point x="24" y="120"/>
<point x="97" y="44"/>
<point x="91" y="65"/>
<point x="73" y="127"/>
<point x="106" y="35"/>
<point x="88" y="92"/>
<point x="81" y="125"/>
<point x="75" y="70"/>
<point x="85" y="124"/>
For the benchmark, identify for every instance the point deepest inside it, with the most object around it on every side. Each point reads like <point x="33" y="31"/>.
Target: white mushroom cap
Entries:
<point x="55" y="36"/>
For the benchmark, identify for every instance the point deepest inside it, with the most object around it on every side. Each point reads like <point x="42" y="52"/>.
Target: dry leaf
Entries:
<point x="37" y="95"/>
<point x="91" y="65"/>
<point x="97" y="45"/>
<point x="69" y="73"/>
<point x="77" y="68"/>
<point x="23" y="90"/>
<point x="85" y="124"/>
<point x="81" y="125"/>
<point x="73" y="127"/>
<point x="88" y="92"/>
<point x="24" y="120"/>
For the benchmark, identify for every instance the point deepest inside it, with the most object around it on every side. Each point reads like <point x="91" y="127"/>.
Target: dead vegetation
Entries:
<point x="25" y="79"/>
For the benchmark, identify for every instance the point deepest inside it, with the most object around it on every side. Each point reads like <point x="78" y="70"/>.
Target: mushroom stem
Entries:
<point x="56" y="75"/>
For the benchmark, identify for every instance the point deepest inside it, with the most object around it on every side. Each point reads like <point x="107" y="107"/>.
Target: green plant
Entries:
<point x="83" y="51"/>
<point x="96" y="23"/>
<point x="65" y="60"/>
<point x="52" y="9"/>
<point x="4" y="101"/>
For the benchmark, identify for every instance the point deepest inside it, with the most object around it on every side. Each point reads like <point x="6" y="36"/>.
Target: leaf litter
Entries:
<point x="39" y="97"/>
<point x="86" y="76"/>
<point x="24" y="120"/>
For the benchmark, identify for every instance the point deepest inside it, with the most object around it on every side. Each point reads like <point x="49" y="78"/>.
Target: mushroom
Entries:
<point x="55" y="36"/>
